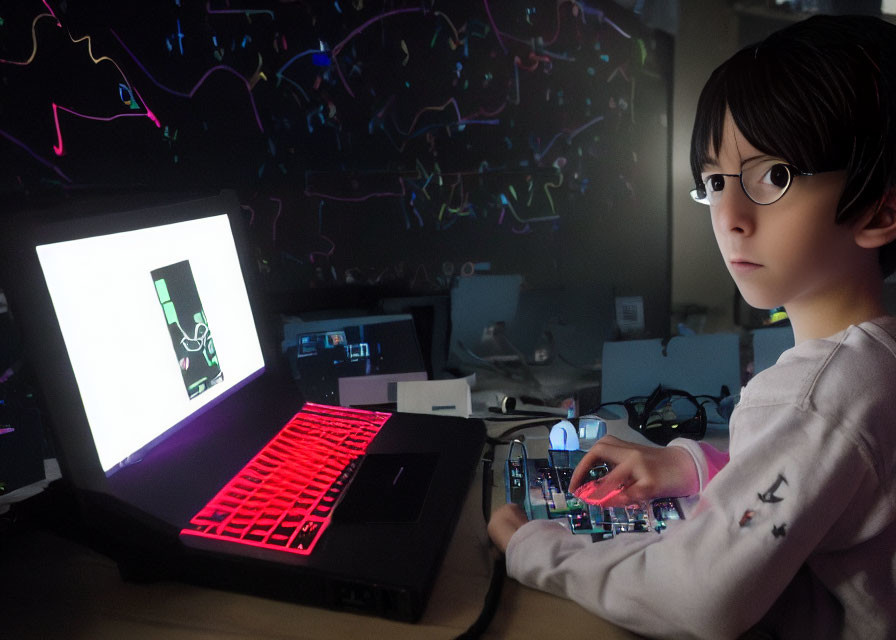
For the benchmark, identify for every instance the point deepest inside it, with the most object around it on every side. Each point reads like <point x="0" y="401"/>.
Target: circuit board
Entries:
<point x="541" y="487"/>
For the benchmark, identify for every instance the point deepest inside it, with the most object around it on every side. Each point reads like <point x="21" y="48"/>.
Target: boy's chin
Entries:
<point x="759" y="302"/>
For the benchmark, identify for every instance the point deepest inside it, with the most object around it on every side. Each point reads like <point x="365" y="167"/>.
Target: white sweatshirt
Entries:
<point x="797" y="532"/>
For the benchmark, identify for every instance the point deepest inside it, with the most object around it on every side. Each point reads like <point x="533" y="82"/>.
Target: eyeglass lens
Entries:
<point x="674" y="409"/>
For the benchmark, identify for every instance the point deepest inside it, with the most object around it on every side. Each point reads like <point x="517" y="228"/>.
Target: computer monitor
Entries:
<point x="353" y="361"/>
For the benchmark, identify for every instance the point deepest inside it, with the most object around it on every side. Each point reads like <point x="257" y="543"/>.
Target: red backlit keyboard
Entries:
<point x="284" y="497"/>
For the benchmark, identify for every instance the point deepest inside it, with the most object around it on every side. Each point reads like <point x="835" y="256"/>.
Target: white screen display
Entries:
<point x="147" y="355"/>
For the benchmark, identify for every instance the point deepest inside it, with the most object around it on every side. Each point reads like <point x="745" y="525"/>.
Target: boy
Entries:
<point x="794" y="151"/>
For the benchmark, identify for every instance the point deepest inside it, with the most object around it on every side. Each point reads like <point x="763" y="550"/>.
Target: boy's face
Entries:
<point x="787" y="253"/>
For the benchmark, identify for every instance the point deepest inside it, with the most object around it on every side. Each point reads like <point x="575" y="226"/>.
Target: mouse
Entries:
<point x="591" y="491"/>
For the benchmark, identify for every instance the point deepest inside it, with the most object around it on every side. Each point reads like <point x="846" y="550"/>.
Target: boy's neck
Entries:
<point x="814" y="319"/>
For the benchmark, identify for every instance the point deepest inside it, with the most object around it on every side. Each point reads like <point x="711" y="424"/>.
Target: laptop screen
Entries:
<point x="157" y="324"/>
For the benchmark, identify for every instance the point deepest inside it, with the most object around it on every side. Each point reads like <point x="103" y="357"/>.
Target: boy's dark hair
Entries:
<point x="820" y="94"/>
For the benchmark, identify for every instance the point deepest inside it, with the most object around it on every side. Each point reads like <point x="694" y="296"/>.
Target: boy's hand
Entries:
<point x="638" y="472"/>
<point x="504" y="522"/>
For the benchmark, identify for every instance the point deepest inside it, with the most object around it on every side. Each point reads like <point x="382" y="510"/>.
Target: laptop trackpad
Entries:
<point x="389" y="487"/>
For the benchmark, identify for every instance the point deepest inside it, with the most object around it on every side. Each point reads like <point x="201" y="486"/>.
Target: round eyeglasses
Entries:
<point x="764" y="182"/>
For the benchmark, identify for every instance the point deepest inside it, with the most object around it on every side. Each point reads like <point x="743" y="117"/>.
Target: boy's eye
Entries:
<point x="715" y="182"/>
<point x="778" y="175"/>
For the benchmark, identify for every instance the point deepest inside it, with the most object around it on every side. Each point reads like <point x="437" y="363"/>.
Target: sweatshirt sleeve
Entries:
<point x="717" y="573"/>
<point x="708" y="459"/>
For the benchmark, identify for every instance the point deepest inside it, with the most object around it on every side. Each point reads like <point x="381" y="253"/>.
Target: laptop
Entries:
<point x="354" y="360"/>
<point x="169" y="405"/>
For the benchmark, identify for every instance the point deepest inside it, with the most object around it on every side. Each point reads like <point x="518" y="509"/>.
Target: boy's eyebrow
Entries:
<point x="713" y="163"/>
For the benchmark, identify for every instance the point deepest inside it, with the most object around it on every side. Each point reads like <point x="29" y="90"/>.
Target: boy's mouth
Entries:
<point x="743" y="266"/>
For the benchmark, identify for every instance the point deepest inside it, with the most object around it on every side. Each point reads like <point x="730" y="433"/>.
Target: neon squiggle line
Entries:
<point x="358" y="30"/>
<point x="33" y="40"/>
<point x="554" y="185"/>
<point x="321" y="253"/>
<point x="52" y="13"/>
<point x="57" y="108"/>
<point x="193" y="91"/>
<point x="58" y="147"/>
<point x="506" y="203"/>
<point x="532" y="56"/>
<point x="569" y="136"/>
<point x="280" y="71"/>
<point x="251" y="213"/>
<point x="277" y="216"/>
<point x="602" y="17"/>
<point x="46" y="163"/>
<point x="461" y="120"/>
<point x="488" y="12"/>
<point x="248" y="12"/>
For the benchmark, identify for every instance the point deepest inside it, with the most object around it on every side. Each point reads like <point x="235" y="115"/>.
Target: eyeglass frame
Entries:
<point x="637" y="420"/>
<point x="793" y="170"/>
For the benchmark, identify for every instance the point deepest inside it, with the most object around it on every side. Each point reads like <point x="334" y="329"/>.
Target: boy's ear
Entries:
<point x="877" y="226"/>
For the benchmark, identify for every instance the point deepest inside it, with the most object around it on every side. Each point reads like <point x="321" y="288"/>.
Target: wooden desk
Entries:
<point x="52" y="587"/>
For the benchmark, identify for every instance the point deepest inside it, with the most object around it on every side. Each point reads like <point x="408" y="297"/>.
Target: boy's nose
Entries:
<point x="734" y="212"/>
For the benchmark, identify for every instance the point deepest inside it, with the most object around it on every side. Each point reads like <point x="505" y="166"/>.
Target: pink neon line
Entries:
<point x="460" y="119"/>
<point x="251" y="212"/>
<point x="52" y="13"/>
<point x="208" y="8"/>
<point x="195" y="88"/>
<point x="57" y="148"/>
<point x="382" y="16"/>
<point x="321" y="253"/>
<point x="238" y="75"/>
<point x="149" y="114"/>
<point x="338" y="47"/>
<point x="491" y="20"/>
<point x="99" y="118"/>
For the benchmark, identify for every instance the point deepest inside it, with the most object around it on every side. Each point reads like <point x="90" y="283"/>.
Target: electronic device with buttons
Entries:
<point x="541" y="487"/>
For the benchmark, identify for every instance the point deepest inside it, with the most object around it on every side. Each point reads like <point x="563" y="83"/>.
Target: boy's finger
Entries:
<point x="603" y="489"/>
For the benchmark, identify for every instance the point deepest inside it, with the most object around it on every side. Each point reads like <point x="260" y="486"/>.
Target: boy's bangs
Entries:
<point x="706" y="138"/>
<point x="775" y="104"/>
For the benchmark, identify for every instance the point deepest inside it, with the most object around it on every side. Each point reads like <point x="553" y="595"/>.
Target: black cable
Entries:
<point x="517" y="414"/>
<point x="547" y="424"/>
<point x="490" y="605"/>
<point x="499" y="570"/>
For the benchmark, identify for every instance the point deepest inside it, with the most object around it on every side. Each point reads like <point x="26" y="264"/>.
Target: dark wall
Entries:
<point x="392" y="144"/>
